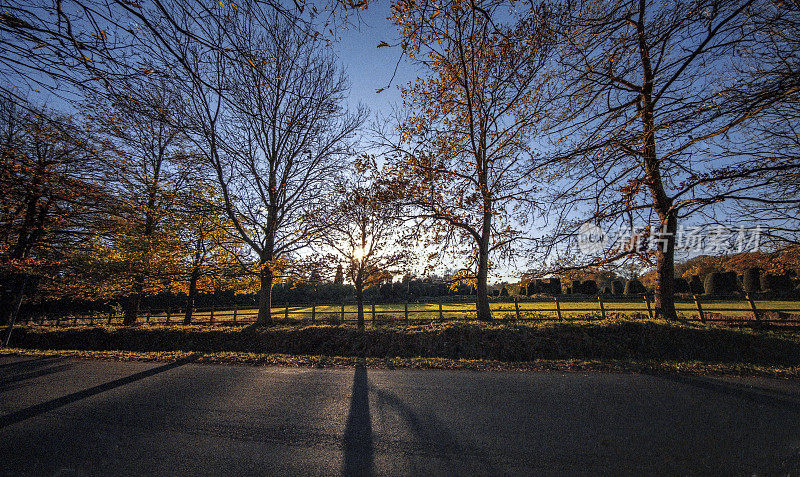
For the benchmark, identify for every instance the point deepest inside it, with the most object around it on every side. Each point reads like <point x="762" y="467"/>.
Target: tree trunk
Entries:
<point x="133" y="303"/>
<point x="484" y="313"/>
<point x="5" y="305"/>
<point x="662" y="203"/>
<point x="360" y="302"/>
<point x="23" y="281"/>
<point x="482" y="309"/>
<point x="665" y="270"/>
<point x="265" y="297"/>
<point x="191" y="297"/>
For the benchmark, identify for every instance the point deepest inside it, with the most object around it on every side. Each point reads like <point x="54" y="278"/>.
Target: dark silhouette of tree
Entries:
<point x="646" y="109"/>
<point x="51" y="201"/>
<point x="271" y="125"/>
<point x="338" y="279"/>
<point x="361" y="227"/>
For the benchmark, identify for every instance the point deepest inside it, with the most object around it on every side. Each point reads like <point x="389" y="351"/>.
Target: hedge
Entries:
<point x="612" y="339"/>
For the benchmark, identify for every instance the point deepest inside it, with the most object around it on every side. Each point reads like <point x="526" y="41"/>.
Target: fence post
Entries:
<point x="342" y="311"/>
<point x="602" y="308"/>
<point x="286" y="311"/>
<point x="169" y="312"/>
<point x="516" y="306"/>
<point x="110" y="316"/>
<point x="647" y="302"/>
<point x="441" y="316"/>
<point x="147" y="318"/>
<point x="235" y="311"/>
<point x="373" y="313"/>
<point x="211" y="317"/>
<point x="558" y="308"/>
<point x="699" y="308"/>
<point x="405" y="311"/>
<point x="313" y="313"/>
<point x="752" y="307"/>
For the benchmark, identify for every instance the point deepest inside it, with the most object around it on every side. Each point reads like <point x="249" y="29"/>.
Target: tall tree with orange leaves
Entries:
<point x="151" y="167"/>
<point x="462" y="153"/>
<point x="51" y="200"/>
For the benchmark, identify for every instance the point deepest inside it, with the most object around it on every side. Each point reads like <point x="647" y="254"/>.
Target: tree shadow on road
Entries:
<point x="358" y="447"/>
<point x="433" y="435"/>
<point x="430" y="433"/>
<point x="752" y="393"/>
<point x="14" y="377"/>
<point x="32" y="411"/>
<point x="12" y="366"/>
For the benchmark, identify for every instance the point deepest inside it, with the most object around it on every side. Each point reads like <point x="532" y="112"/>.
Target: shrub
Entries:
<point x="618" y="287"/>
<point x="713" y="284"/>
<point x="576" y="287"/>
<point x="555" y="286"/>
<point x="681" y="285"/>
<point x="751" y="281"/>
<point x="721" y="284"/>
<point x="731" y="282"/>
<point x="532" y="288"/>
<point x="696" y="285"/>
<point x="589" y="287"/>
<point x="776" y="283"/>
<point x="503" y="291"/>
<point x="607" y="291"/>
<point x="634" y="287"/>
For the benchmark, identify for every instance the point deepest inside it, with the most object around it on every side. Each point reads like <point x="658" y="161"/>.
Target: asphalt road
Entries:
<point x="70" y="417"/>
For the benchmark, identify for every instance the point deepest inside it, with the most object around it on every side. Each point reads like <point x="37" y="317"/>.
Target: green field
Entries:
<point x="538" y="310"/>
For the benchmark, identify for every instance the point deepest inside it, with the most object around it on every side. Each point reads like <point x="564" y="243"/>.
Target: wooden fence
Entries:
<point x="506" y="308"/>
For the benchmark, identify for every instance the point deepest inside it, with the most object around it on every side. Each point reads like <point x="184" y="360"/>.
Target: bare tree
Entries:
<point x="463" y="154"/>
<point x="264" y="105"/>
<point x="362" y="228"/>
<point x="71" y="47"/>
<point x="770" y="80"/>
<point x="650" y="99"/>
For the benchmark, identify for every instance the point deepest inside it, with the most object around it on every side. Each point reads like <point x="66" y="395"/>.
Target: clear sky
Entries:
<point x="369" y="67"/>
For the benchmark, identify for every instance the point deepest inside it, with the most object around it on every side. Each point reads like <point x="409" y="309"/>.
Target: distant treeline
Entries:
<point x="291" y="293"/>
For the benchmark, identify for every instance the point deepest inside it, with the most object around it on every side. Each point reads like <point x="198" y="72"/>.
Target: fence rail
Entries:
<point x="556" y="309"/>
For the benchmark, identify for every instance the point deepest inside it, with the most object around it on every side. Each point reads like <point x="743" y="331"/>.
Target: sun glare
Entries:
<point x="358" y="253"/>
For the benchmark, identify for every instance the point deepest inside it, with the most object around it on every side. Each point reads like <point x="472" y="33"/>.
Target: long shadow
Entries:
<point x="433" y="433"/>
<point x="358" y="448"/>
<point x="38" y="409"/>
<point x="7" y="383"/>
<point x="756" y="394"/>
<point x="25" y="363"/>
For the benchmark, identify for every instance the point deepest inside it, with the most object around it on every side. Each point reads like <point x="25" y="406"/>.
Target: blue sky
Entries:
<point x="369" y="67"/>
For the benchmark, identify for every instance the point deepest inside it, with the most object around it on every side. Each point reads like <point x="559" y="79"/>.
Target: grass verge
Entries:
<point x="568" y="366"/>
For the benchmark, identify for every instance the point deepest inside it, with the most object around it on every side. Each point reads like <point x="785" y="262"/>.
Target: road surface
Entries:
<point x="72" y="417"/>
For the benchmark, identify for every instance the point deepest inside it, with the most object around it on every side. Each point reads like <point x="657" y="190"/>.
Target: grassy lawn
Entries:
<point x="570" y="309"/>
